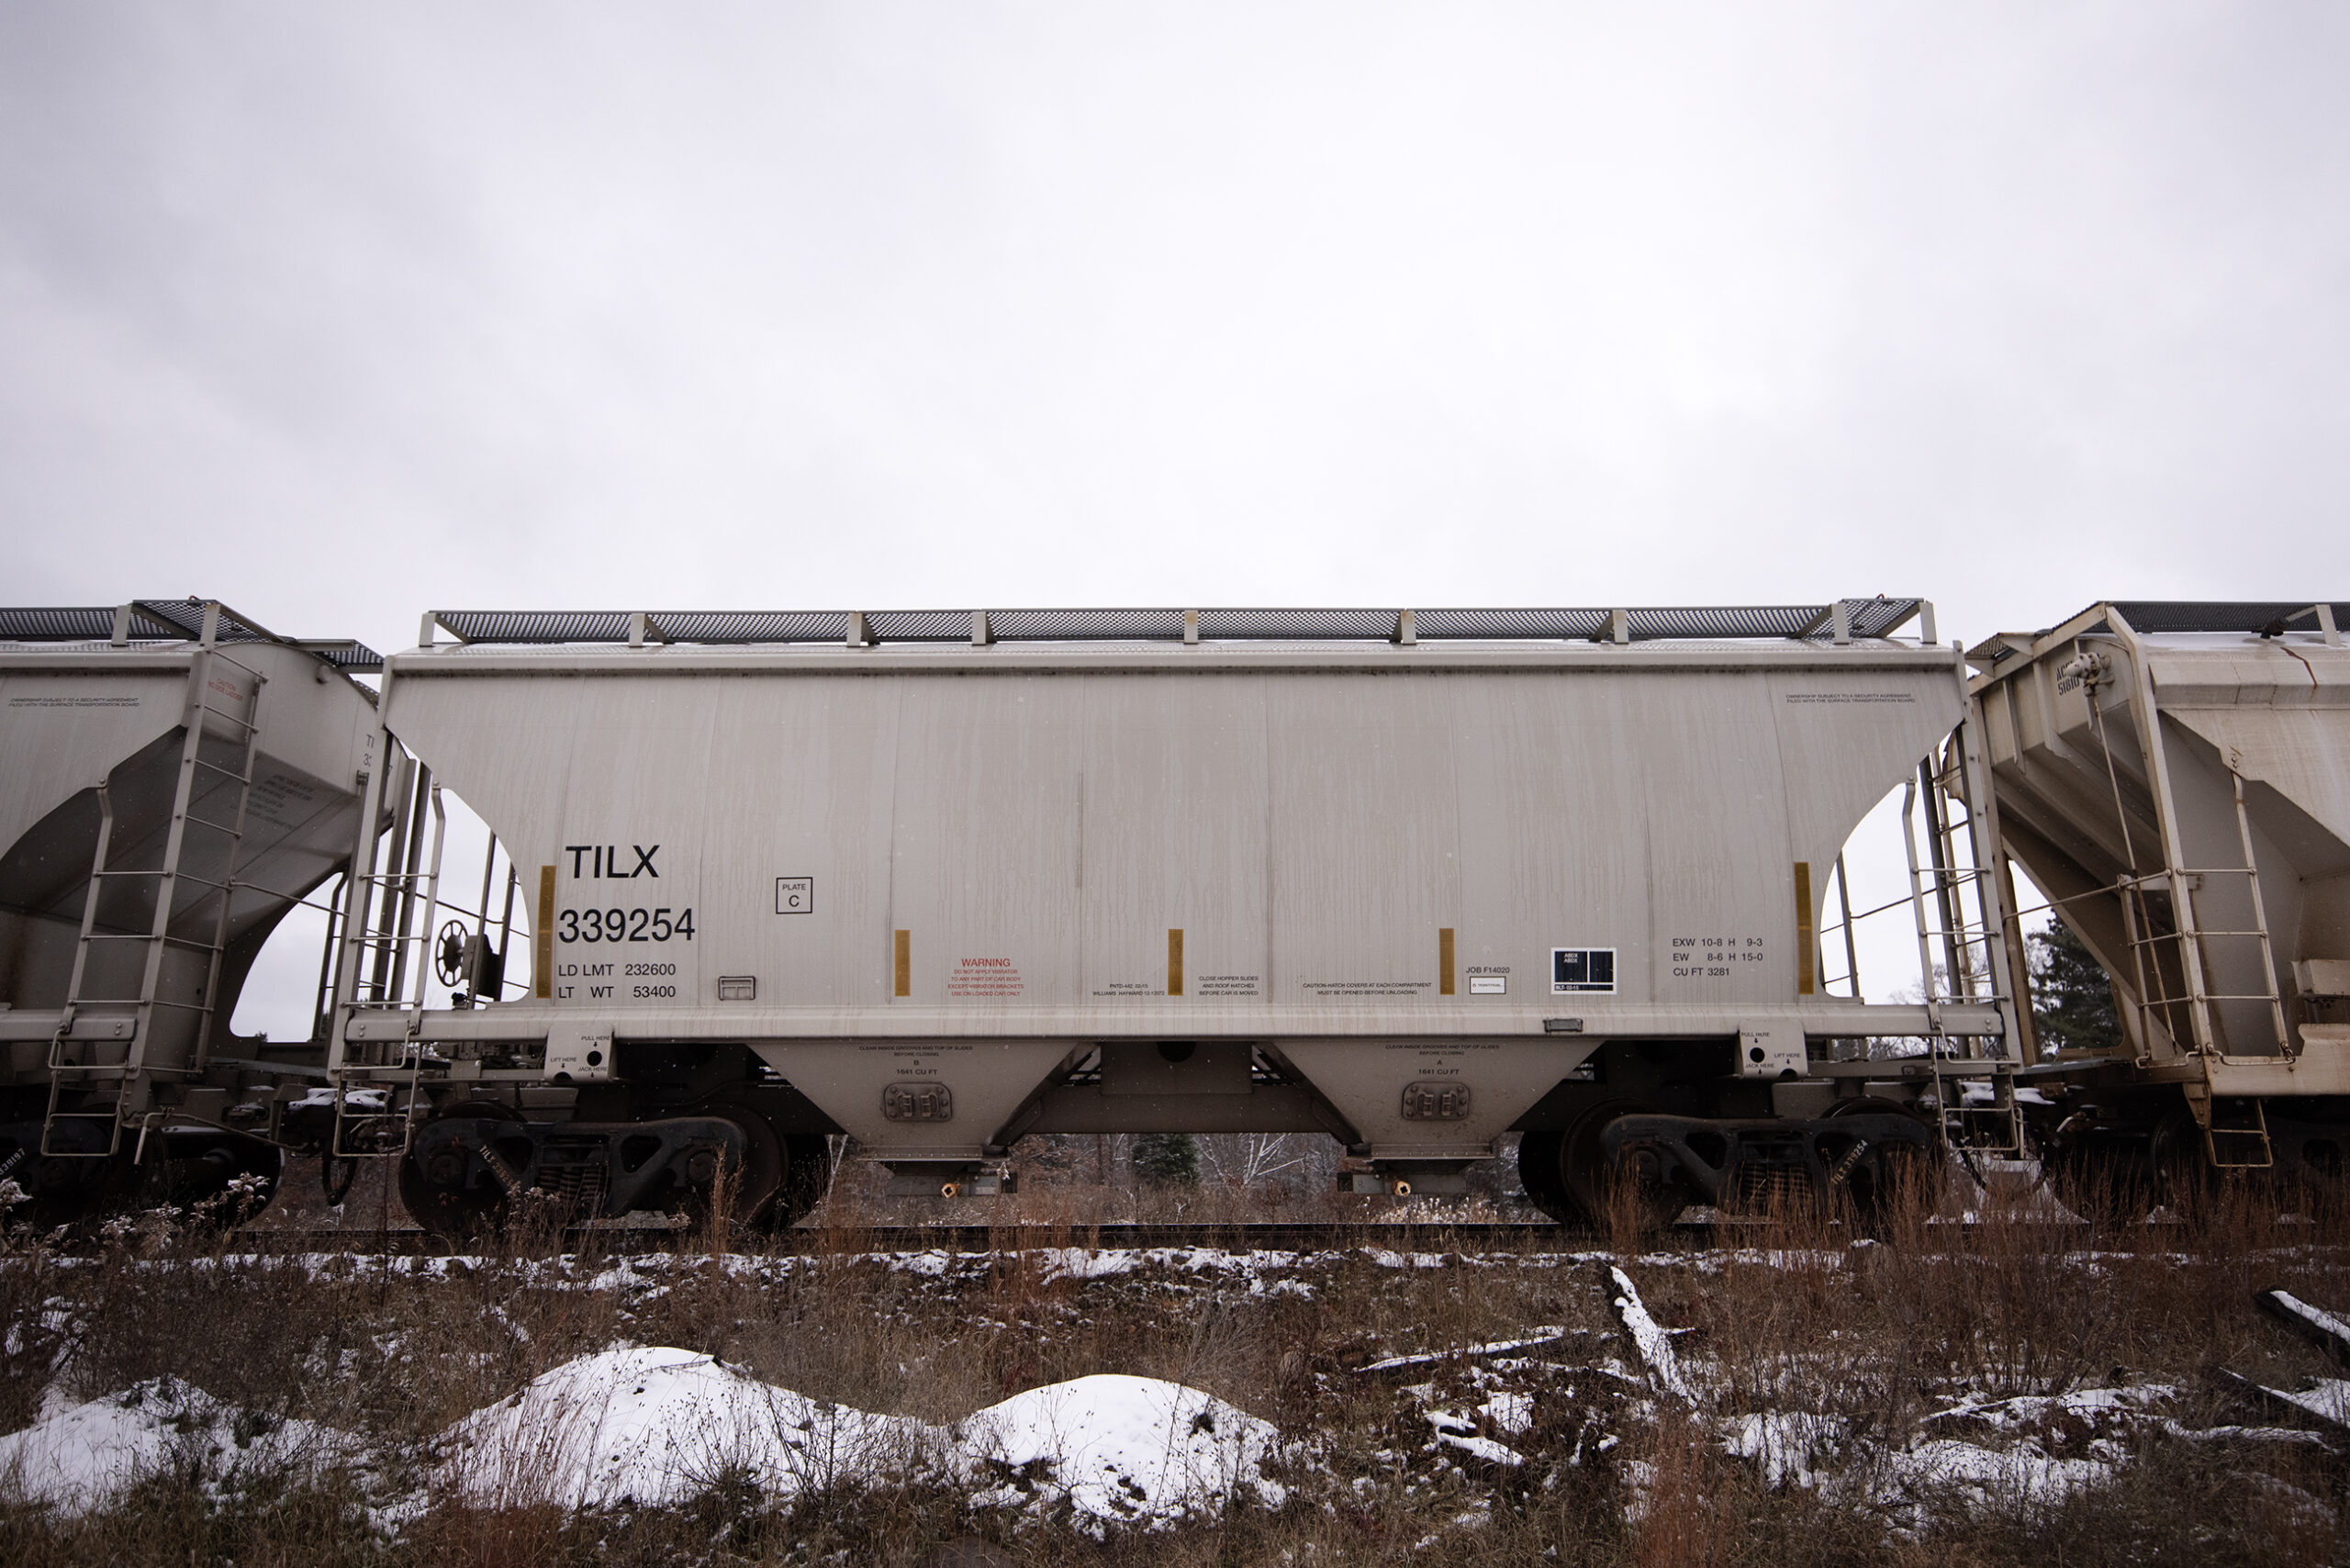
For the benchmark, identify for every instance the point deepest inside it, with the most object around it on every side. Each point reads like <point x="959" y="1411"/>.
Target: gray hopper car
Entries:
<point x="2176" y="778"/>
<point x="941" y="880"/>
<point x="177" y="778"/>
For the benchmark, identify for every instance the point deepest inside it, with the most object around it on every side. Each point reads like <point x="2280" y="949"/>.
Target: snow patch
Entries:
<point x="82" y="1457"/>
<point x="655" y="1424"/>
<point x="1124" y="1449"/>
<point x="2020" y="1474"/>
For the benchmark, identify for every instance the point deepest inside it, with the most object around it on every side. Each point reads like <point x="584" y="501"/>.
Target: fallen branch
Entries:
<point x="1472" y="1352"/>
<point x="2325" y="1405"/>
<point x="2313" y="1323"/>
<point x="2291" y="1435"/>
<point x="1650" y="1339"/>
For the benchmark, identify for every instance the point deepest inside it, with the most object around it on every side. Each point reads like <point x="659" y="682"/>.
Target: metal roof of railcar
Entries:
<point x="1867" y="619"/>
<point x="2168" y="618"/>
<point x="2257" y="618"/>
<point x="155" y="620"/>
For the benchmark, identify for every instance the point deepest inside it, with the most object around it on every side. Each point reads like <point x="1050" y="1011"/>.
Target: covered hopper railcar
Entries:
<point x="177" y="780"/>
<point x="2176" y="778"/>
<point x="941" y="880"/>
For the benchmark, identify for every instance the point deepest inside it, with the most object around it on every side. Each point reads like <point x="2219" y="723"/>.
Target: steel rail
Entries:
<point x="1422" y="1237"/>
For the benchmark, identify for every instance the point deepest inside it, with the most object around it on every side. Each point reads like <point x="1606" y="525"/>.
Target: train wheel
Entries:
<point x="434" y="1191"/>
<point x="74" y="1192"/>
<point x="226" y="1177"/>
<point x="1871" y="1189"/>
<point x="2100" y="1181"/>
<point x="1538" y="1171"/>
<point x="808" y="1175"/>
<point x="68" y="1188"/>
<point x="2319" y="1185"/>
<point x="754" y="1189"/>
<point x="1597" y="1186"/>
<point x="2124" y="1177"/>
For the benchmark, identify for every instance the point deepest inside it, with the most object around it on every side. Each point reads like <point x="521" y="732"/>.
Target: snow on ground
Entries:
<point x="1801" y="1449"/>
<point x="1818" y="1450"/>
<point x="79" y="1457"/>
<point x="2019" y="1474"/>
<point x="653" y="1425"/>
<point x="2035" y="1409"/>
<point x="657" y="1425"/>
<point x="1123" y="1449"/>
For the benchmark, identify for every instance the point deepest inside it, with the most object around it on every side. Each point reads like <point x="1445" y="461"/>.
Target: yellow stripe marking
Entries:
<point x="542" y="939"/>
<point x="1174" y="960"/>
<point x="1444" y="960"/>
<point x="905" y="963"/>
<point x="1806" y="938"/>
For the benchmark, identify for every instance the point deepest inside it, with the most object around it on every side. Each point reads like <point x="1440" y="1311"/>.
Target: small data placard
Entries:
<point x="1582" y="969"/>
<point x="795" y="895"/>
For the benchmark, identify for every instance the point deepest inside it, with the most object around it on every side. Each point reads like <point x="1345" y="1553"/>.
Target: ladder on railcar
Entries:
<point x="1968" y="969"/>
<point x="2235" y="1131"/>
<point x="374" y="1111"/>
<point x="214" y="812"/>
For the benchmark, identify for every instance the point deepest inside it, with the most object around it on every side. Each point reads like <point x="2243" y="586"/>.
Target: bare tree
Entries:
<point x="1248" y="1159"/>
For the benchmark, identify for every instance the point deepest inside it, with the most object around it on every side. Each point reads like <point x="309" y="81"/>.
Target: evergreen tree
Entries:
<point x="2072" y="998"/>
<point x="1168" y="1159"/>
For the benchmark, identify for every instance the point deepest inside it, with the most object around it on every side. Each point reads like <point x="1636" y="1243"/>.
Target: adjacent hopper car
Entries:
<point x="2177" y="778"/>
<point x="939" y="880"/>
<point x="176" y="779"/>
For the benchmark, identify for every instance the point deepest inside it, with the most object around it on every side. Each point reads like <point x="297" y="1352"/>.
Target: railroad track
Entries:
<point x="612" y="1241"/>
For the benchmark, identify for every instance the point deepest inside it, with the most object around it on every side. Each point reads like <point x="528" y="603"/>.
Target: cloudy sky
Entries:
<point x="340" y="313"/>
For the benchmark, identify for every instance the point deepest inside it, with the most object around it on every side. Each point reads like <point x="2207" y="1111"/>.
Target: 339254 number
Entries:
<point x="624" y="925"/>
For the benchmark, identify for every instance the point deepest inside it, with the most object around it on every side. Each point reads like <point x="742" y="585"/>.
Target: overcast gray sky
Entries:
<point x="343" y="312"/>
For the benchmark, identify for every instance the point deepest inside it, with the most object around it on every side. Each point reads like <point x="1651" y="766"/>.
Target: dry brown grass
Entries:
<point x="1790" y="1311"/>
